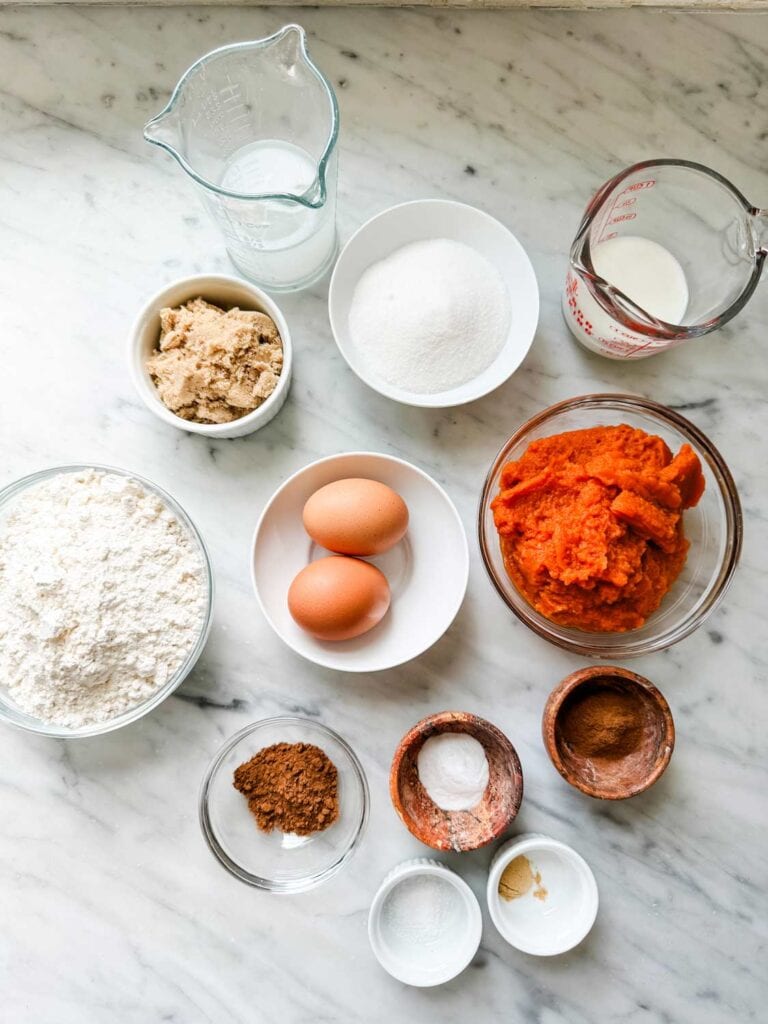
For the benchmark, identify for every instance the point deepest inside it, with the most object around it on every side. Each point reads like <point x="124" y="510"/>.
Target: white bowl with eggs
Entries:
<point x="427" y="570"/>
<point x="226" y="292"/>
<point x="428" y="220"/>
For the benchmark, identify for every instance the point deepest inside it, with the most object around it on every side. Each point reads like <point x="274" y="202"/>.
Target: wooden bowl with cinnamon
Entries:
<point x="457" y="830"/>
<point x="608" y="731"/>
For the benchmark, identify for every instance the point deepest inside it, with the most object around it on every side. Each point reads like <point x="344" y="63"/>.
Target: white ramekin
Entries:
<point x="408" y="968"/>
<point x="224" y="291"/>
<point x="558" y="923"/>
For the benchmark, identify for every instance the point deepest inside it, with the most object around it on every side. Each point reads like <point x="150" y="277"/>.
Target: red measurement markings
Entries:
<point x="571" y="291"/>
<point x="621" y="201"/>
<point x="621" y="217"/>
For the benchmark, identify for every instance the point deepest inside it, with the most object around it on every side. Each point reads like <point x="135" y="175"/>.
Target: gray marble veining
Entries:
<point x="112" y="907"/>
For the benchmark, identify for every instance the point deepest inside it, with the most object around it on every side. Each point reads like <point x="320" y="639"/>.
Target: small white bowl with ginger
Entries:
<point x="226" y="293"/>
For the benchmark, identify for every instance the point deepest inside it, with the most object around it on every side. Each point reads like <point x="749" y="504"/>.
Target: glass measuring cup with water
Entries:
<point x="667" y="251"/>
<point x="255" y="126"/>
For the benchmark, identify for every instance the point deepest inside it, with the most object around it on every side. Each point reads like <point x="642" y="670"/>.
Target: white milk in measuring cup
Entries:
<point x="667" y="251"/>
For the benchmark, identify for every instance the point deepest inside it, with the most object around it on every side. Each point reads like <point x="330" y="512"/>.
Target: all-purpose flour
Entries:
<point x="431" y="316"/>
<point x="102" y="595"/>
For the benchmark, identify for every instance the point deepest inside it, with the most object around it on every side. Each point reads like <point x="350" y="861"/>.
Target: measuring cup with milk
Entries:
<point x="667" y="250"/>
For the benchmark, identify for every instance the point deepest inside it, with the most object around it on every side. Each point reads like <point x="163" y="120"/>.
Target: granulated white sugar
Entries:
<point x="431" y="316"/>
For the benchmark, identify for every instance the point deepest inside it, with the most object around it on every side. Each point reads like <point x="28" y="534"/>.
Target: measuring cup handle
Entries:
<point x="760" y="227"/>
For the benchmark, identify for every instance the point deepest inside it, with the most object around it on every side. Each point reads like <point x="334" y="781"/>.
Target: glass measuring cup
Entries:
<point x="255" y="127"/>
<point x="683" y="237"/>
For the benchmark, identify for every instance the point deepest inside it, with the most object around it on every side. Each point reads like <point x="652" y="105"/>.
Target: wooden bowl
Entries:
<point x="612" y="774"/>
<point x="457" y="830"/>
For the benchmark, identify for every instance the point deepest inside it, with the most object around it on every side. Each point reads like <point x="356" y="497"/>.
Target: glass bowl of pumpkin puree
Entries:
<point x="610" y="525"/>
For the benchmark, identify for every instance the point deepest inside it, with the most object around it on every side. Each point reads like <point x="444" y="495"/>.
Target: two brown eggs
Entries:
<point x="341" y="596"/>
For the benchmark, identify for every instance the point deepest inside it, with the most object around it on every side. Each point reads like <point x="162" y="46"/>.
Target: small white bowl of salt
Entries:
<point x="433" y="303"/>
<point x="424" y="924"/>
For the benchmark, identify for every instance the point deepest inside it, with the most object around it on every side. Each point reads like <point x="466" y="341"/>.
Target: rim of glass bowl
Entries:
<point x="31" y="724"/>
<point x="266" y="884"/>
<point x="590" y="644"/>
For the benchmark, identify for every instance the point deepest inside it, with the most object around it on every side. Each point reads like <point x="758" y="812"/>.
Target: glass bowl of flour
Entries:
<point x="106" y="595"/>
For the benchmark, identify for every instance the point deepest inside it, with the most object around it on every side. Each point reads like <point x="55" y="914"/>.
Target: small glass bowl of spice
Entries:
<point x="608" y="731"/>
<point x="211" y="355"/>
<point x="283" y="804"/>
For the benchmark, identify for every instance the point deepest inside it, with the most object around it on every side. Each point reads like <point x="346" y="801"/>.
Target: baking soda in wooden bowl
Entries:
<point x="456" y="758"/>
<point x="453" y="769"/>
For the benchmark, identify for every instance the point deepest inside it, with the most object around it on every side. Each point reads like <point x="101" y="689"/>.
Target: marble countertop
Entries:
<point x="112" y="907"/>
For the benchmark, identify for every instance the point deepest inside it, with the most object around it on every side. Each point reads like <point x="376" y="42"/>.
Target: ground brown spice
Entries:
<point x="518" y="878"/>
<point x="292" y="787"/>
<point x="605" y="722"/>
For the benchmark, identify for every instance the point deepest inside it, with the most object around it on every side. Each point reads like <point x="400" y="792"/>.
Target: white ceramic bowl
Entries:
<point x="427" y="219"/>
<point x="427" y="570"/>
<point x="557" y="923"/>
<point x="408" y="957"/>
<point x="226" y="292"/>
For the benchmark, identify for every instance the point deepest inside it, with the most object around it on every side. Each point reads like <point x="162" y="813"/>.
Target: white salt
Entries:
<point x="422" y="910"/>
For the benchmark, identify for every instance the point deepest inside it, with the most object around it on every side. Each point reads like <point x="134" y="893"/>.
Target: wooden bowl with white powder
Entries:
<point x="491" y="810"/>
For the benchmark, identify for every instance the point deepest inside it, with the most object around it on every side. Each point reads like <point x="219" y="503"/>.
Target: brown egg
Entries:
<point x="356" y="517"/>
<point x="337" y="598"/>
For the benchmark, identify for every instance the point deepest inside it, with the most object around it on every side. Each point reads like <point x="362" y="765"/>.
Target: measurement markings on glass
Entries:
<point x="624" y="199"/>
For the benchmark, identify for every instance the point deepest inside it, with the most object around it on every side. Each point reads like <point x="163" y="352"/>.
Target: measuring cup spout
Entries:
<point x="290" y="44"/>
<point x="164" y="130"/>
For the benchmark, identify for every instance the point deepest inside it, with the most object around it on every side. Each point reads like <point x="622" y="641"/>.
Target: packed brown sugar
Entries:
<point x="591" y="524"/>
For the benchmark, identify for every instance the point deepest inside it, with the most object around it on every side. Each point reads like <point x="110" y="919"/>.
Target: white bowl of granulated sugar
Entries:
<point x="433" y="303"/>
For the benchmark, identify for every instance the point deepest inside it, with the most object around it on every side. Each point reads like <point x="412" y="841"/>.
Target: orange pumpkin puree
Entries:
<point x="591" y="524"/>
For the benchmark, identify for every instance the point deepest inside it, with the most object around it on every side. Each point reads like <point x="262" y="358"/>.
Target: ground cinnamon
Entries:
<point x="602" y="722"/>
<point x="292" y="787"/>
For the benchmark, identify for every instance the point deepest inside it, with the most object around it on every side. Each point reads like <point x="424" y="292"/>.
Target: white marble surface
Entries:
<point x="112" y="907"/>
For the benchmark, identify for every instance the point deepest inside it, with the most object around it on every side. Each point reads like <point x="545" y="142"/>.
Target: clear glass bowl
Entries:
<point x="12" y="714"/>
<point x="714" y="528"/>
<point x="274" y="861"/>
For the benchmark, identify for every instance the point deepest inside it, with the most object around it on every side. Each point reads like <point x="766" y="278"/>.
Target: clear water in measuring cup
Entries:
<point x="269" y="165"/>
<point x="645" y="272"/>
<point x="276" y="240"/>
